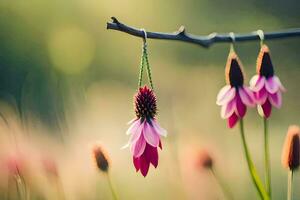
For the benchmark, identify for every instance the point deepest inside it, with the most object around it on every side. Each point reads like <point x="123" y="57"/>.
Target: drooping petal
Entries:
<point x="151" y="155"/>
<point x="160" y="145"/>
<point x="150" y="135"/>
<point x="228" y="109"/>
<point x="247" y="96"/>
<point x="275" y="99"/>
<point x="133" y="127"/>
<point x="257" y="82"/>
<point x="225" y="95"/>
<point x="138" y="148"/>
<point x="240" y="107"/>
<point x="136" y="163"/>
<point x="136" y="135"/>
<point x="154" y="157"/>
<point x="232" y="120"/>
<point x="271" y="85"/>
<point x="277" y="80"/>
<point x="158" y="129"/>
<point x="267" y="109"/>
<point x="132" y="121"/>
<point x="144" y="165"/>
<point x="261" y="96"/>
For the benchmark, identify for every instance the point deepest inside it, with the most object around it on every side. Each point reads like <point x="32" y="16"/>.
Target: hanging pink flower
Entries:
<point x="234" y="97"/>
<point x="266" y="86"/>
<point x="145" y="131"/>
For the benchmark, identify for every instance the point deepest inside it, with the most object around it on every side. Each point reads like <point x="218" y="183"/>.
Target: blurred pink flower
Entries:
<point x="14" y="164"/>
<point x="145" y="131"/>
<point x="266" y="86"/>
<point x="50" y="166"/>
<point x="234" y="97"/>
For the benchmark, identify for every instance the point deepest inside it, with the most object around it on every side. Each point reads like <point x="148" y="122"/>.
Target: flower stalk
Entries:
<point x="113" y="192"/>
<point x="253" y="172"/>
<point x="267" y="158"/>
<point x="290" y="185"/>
<point x="227" y="193"/>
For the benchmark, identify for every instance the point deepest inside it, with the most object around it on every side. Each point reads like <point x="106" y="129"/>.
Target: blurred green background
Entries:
<point x="62" y="74"/>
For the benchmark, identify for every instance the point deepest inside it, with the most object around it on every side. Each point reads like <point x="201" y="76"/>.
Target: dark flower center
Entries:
<point x="234" y="73"/>
<point x="145" y="103"/>
<point x="264" y="63"/>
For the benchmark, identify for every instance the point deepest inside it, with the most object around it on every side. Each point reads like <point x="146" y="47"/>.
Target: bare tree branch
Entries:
<point x="204" y="41"/>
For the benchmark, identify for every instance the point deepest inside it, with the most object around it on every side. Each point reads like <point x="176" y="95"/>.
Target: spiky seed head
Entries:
<point x="145" y="103"/>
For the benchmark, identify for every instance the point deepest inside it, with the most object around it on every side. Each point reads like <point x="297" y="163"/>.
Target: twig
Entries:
<point x="204" y="41"/>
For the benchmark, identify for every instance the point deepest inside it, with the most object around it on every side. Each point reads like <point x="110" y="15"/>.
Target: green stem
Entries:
<point x="113" y="192"/>
<point x="254" y="175"/>
<point x="141" y="68"/>
<point x="227" y="193"/>
<point x="290" y="185"/>
<point x="148" y="68"/>
<point x="267" y="159"/>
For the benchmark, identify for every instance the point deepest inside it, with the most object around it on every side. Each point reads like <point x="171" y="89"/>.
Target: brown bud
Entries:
<point x="291" y="149"/>
<point x="100" y="158"/>
<point x="205" y="160"/>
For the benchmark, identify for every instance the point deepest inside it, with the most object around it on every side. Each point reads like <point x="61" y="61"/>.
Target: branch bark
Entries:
<point x="204" y="41"/>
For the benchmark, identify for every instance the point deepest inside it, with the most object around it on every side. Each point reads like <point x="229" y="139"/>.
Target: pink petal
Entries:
<point x="151" y="155"/>
<point x="136" y="163"/>
<point x="267" y="109"/>
<point x="257" y="82"/>
<point x="144" y="165"/>
<point x="228" y="109"/>
<point x="240" y="107"/>
<point x="277" y="80"/>
<point x="136" y="135"/>
<point x="261" y="96"/>
<point x="158" y="129"/>
<point x="225" y="95"/>
<point x="133" y="127"/>
<point x="232" y="120"/>
<point x="150" y="135"/>
<point x="271" y="85"/>
<point x="137" y="148"/>
<point x="160" y="145"/>
<point x="275" y="99"/>
<point x="247" y="96"/>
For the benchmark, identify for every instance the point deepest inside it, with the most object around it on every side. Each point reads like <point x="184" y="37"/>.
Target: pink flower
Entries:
<point x="145" y="132"/>
<point x="266" y="86"/>
<point x="234" y="97"/>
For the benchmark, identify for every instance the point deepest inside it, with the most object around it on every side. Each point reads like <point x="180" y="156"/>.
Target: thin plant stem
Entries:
<point x="267" y="159"/>
<point x="113" y="192"/>
<point x="141" y="68"/>
<point x="290" y="185"/>
<point x="253" y="172"/>
<point x="148" y="68"/>
<point x="60" y="189"/>
<point x="227" y="193"/>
